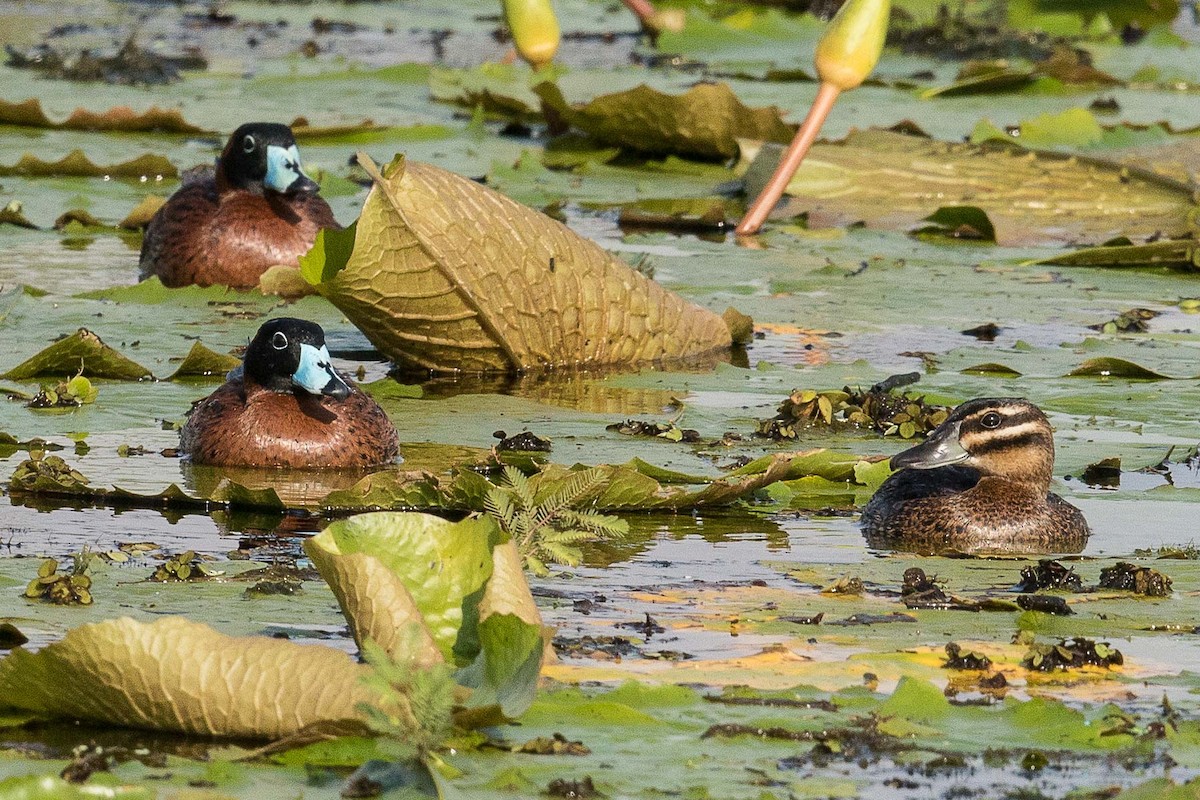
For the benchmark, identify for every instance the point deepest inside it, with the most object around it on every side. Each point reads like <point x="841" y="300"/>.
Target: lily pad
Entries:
<point x="1107" y="367"/>
<point x="28" y="113"/>
<point x="887" y="180"/>
<point x="203" y="362"/>
<point x="82" y="352"/>
<point x="704" y="122"/>
<point x="443" y="274"/>
<point x="76" y="164"/>
<point x="183" y="676"/>
<point x="1175" y="253"/>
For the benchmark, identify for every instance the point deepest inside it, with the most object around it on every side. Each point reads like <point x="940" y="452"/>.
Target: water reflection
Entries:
<point x="646" y="531"/>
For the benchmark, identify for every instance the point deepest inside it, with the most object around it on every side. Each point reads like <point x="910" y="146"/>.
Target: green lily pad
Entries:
<point x="76" y="164"/>
<point x="704" y="122"/>
<point x="203" y="362"/>
<point x="1106" y="367"/>
<point x="82" y="352"/>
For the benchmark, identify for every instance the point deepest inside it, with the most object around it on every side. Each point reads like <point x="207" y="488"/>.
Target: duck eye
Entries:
<point x="990" y="420"/>
<point x="279" y="341"/>
<point x="248" y="144"/>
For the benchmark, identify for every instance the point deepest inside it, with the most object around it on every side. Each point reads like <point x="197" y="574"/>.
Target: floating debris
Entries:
<point x="524" y="442"/>
<point x="556" y="745"/>
<point x="183" y="567"/>
<point x="131" y="66"/>
<point x="1049" y="574"/>
<point x="956" y="658"/>
<point x="1132" y="578"/>
<point x="1072" y="654"/>
<point x="876" y="409"/>
<point x="1132" y="321"/>
<point x="67" y="589"/>
<point x="662" y="430"/>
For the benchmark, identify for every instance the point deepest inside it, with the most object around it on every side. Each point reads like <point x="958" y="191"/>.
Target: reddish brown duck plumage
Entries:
<point x="256" y="209"/>
<point x="288" y="407"/>
<point x="979" y="483"/>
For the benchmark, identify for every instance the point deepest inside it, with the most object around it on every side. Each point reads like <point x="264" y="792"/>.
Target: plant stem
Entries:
<point x="642" y="8"/>
<point x="764" y="204"/>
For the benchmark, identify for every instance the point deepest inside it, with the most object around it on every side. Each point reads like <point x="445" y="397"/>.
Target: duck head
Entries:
<point x="1007" y="437"/>
<point x="260" y="157"/>
<point x="289" y="354"/>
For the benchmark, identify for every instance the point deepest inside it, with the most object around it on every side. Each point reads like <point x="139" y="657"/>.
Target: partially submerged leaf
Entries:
<point x="447" y="275"/>
<point x="203" y="362"/>
<point x="438" y="562"/>
<point x="887" y="180"/>
<point x="1176" y="253"/>
<point x="28" y="113"/>
<point x="12" y="214"/>
<point x="965" y="223"/>
<point x="76" y="164"/>
<point x="82" y="352"/>
<point x="705" y="122"/>
<point x="178" y="675"/>
<point x="1108" y="367"/>
<point x="141" y="214"/>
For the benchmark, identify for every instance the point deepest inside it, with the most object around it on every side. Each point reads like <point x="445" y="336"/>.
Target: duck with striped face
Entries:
<point x="979" y="483"/>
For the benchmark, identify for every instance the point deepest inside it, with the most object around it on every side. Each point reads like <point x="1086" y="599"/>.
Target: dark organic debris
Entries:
<point x="1104" y="474"/>
<point x="1132" y="578"/>
<point x="580" y="789"/>
<point x="87" y="760"/>
<point x="524" y="442"/>
<point x="921" y="591"/>
<point x="557" y="745"/>
<point x="1131" y="321"/>
<point x="846" y="585"/>
<point x="957" y="659"/>
<point x="662" y="430"/>
<point x="647" y="627"/>
<point x="1049" y="574"/>
<point x="131" y="66"/>
<point x="1071" y="654"/>
<point x="598" y="647"/>
<point x="953" y="35"/>
<point x="815" y="619"/>
<point x="728" y="730"/>
<point x="1045" y="603"/>
<point x="986" y="332"/>
<point x="877" y="409"/>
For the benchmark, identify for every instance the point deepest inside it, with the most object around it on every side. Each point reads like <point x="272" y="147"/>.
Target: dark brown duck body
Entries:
<point x="294" y="410"/>
<point x="979" y="483"/>
<point x="257" y="209"/>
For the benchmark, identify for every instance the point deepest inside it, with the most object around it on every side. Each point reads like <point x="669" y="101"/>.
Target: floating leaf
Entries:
<point x="436" y="562"/>
<point x="76" y="164"/>
<point x="705" y="122"/>
<point x="82" y="352"/>
<point x="178" y="675"/>
<point x="141" y="214"/>
<point x="1175" y="253"/>
<point x="203" y="362"/>
<point x="966" y="223"/>
<point x="1107" y="367"/>
<point x="11" y="214"/>
<point x="284" y="280"/>
<point x="992" y="368"/>
<point x="495" y="88"/>
<point x="996" y="81"/>
<point x="443" y="274"/>
<point x="28" y="113"/>
<point x="886" y="179"/>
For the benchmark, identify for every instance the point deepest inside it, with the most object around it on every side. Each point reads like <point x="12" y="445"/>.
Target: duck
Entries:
<point x="226" y="226"/>
<point x="286" y="406"/>
<point x="980" y="482"/>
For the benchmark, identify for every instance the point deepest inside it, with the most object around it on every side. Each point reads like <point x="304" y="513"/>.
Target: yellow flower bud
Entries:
<point x="534" y="30"/>
<point x="853" y="43"/>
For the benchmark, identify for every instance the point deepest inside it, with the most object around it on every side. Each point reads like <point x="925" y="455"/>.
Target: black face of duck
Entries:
<point x="1002" y="437"/>
<point x="289" y="353"/>
<point x="263" y="156"/>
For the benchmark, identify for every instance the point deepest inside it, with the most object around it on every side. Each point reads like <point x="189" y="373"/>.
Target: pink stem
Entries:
<point x="764" y="204"/>
<point x="642" y="8"/>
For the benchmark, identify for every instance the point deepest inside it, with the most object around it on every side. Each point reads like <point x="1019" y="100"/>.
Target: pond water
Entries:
<point x="687" y="595"/>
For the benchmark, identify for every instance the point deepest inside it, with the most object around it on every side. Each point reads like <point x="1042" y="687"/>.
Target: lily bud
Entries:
<point x="534" y="30"/>
<point x="853" y="43"/>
